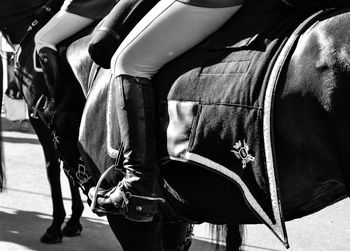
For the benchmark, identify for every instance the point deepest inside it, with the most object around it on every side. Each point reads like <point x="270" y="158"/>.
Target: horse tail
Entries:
<point x="2" y="170"/>
<point x="232" y="234"/>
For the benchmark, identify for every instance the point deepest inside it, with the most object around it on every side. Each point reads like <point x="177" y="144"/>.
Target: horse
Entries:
<point x="18" y="23"/>
<point x="309" y="127"/>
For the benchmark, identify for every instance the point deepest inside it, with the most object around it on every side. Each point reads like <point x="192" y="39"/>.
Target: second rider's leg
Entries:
<point x="60" y="27"/>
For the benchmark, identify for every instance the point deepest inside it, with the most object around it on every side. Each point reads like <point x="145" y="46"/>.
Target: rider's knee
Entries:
<point x="120" y="64"/>
<point x="40" y="42"/>
<point x="123" y="63"/>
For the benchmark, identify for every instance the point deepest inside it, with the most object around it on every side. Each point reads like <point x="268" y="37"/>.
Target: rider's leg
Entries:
<point x="167" y="31"/>
<point x="136" y="116"/>
<point x="61" y="26"/>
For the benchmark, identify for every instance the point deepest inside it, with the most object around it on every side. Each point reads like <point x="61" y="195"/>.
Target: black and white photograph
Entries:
<point x="175" y="125"/>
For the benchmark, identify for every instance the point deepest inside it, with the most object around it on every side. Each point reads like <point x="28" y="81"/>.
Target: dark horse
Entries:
<point x="310" y="127"/>
<point x="18" y="23"/>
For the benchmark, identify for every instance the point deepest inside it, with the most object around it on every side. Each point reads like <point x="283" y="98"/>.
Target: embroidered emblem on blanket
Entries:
<point x="241" y="150"/>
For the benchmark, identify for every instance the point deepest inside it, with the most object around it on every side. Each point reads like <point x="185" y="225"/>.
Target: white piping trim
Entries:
<point x="247" y="194"/>
<point x="267" y="116"/>
<point x="113" y="153"/>
<point x="225" y="171"/>
<point x="269" y="96"/>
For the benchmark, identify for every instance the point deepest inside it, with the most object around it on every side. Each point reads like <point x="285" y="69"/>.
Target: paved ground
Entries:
<point x="25" y="212"/>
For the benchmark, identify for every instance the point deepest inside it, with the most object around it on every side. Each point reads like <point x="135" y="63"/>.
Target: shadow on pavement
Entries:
<point x="21" y="230"/>
<point x="20" y="140"/>
<point x="16" y="125"/>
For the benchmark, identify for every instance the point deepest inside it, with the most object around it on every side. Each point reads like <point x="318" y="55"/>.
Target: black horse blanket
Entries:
<point x="217" y="114"/>
<point x="214" y="110"/>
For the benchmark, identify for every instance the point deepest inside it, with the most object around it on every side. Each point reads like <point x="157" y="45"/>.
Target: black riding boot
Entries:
<point x="49" y="63"/>
<point x="137" y="192"/>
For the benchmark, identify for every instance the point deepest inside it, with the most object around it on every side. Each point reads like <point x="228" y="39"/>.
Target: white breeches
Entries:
<point x="167" y="31"/>
<point x="60" y="27"/>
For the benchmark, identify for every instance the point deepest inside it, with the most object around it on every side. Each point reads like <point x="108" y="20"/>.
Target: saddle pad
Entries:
<point x="214" y="113"/>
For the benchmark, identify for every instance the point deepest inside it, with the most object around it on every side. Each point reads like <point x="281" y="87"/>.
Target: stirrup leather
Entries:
<point x="40" y="105"/>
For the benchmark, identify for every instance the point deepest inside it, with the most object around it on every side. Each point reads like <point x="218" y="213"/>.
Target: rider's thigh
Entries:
<point x="60" y="27"/>
<point x="167" y="31"/>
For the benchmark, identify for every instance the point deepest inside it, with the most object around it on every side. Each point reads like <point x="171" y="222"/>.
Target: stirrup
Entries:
<point x="37" y="107"/>
<point x="126" y="195"/>
<point x="100" y="211"/>
<point x="94" y="206"/>
<point x="119" y="208"/>
<point x="140" y="212"/>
